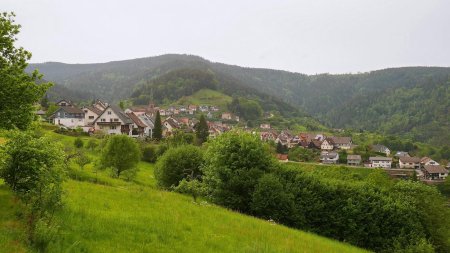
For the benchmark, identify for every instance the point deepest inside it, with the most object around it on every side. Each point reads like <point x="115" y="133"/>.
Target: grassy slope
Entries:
<point x="206" y="97"/>
<point x="114" y="215"/>
<point x="11" y="230"/>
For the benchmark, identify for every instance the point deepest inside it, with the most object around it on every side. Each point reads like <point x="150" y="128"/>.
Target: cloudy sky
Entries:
<point x="312" y="36"/>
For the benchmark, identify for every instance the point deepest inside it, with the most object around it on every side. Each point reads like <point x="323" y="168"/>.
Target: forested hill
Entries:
<point x="411" y="101"/>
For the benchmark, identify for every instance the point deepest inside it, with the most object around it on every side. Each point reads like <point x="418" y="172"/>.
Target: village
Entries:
<point x="139" y="122"/>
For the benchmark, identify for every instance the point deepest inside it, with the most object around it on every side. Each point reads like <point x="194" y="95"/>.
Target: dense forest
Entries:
<point x="410" y="101"/>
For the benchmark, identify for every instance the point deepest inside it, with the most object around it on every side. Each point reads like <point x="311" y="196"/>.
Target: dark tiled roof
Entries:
<point x="379" y="158"/>
<point x="407" y="159"/>
<point x="71" y="109"/>
<point x="435" y="169"/>
<point x="353" y="157"/>
<point x="94" y="109"/>
<point x="122" y="115"/>
<point x="136" y="120"/>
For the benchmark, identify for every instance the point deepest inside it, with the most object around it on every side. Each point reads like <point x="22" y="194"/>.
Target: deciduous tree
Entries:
<point x="18" y="90"/>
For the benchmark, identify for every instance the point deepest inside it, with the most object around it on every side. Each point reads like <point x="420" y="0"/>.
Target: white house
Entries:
<point x="329" y="157"/>
<point x="342" y="142"/>
<point x="90" y="114"/>
<point x="435" y="172"/>
<point x="113" y="121"/>
<point x="327" y="144"/>
<point x="68" y="116"/>
<point x="380" y="162"/>
<point x="381" y="149"/>
<point x="353" y="160"/>
<point x="406" y="162"/>
<point x="427" y="161"/>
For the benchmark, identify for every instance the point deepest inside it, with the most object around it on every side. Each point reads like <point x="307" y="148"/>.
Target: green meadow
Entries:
<point x="105" y="214"/>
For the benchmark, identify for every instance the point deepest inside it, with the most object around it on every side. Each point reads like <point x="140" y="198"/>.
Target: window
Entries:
<point x="109" y="112"/>
<point x="103" y="120"/>
<point x="91" y="117"/>
<point x="112" y="127"/>
<point x="116" y="120"/>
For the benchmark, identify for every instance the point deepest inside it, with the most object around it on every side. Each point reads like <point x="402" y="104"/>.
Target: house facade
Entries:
<point x="380" y="162"/>
<point x="434" y="172"/>
<point x="354" y="160"/>
<point x="342" y="142"/>
<point x="68" y="116"/>
<point x="329" y="158"/>
<point x="381" y="149"/>
<point x="113" y="121"/>
<point x="327" y="144"/>
<point x="90" y="114"/>
<point x="406" y="162"/>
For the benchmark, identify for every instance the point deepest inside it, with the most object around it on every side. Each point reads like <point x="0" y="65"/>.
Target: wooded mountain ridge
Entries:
<point x="409" y="101"/>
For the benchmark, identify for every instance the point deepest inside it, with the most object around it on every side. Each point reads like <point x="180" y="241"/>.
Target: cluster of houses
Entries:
<point x="134" y="121"/>
<point x="139" y="122"/>
<point x="329" y="147"/>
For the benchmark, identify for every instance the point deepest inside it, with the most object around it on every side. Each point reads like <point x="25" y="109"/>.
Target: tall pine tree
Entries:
<point x="157" y="131"/>
<point x="202" y="130"/>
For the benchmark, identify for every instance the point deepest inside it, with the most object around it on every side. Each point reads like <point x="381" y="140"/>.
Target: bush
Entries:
<point x="78" y="143"/>
<point x="233" y="164"/>
<point x="178" y="163"/>
<point x="34" y="169"/>
<point x="121" y="153"/>
<point x="271" y="201"/>
<point x="92" y="144"/>
<point x="149" y="154"/>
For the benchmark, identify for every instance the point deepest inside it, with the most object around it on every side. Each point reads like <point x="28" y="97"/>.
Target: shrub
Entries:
<point x="149" y="154"/>
<point x="92" y="144"/>
<point x="271" y="201"/>
<point x="78" y="143"/>
<point x="178" y="163"/>
<point x="121" y="153"/>
<point x="233" y="164"/>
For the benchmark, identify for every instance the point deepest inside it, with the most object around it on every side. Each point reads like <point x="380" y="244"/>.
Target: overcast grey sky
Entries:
<point x="303" y="36"/>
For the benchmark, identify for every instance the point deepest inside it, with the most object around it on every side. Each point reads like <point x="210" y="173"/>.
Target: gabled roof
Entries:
<point x="426" y="159"/>
<point x="407" y="159"/>
<point x="379" y="158"/>
<point x="379" y="148"/>
<point x="435" y="169"/>
<point x="353" y="157"/>
<point x="172" y="122"/>
<point x="122" y="115"/>
<point x="94" y="109"/>
<point x="136" y="120"/>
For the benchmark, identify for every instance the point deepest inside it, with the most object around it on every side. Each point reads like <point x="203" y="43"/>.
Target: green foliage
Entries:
<point x="18" y="90"/>
<point x="298" y="154"/>
<point x="202" y="130"/>
<point x="149" y="153"/>
<point x="34" y="170"/>
<point x="157" y="131"/>
<point x="192" y="187"/>
<point x="246" y="108"/>
<point x="233" y="164"/>
<point x="271" y="201"/>
<point x="82" y="160"/>
<point x="281" y="149"/>
<point x="174" y="85"/>
<point x="178" y="138"/>
<point x="91" y="144"/>
<point x="178" y="163"/>
<point x="78" y="143"/>
<point x="121" y="153"/>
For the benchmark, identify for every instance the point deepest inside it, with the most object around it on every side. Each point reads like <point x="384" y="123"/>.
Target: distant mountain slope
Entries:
<point x="412" y="101"/>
